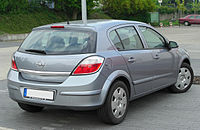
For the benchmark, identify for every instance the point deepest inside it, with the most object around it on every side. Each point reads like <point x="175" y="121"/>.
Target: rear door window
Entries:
<point x="60" y="42"/>
<point x="129" y="38"/>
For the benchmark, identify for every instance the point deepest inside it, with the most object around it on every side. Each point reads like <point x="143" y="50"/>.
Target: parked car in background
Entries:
<point x="102" y="65"/>
<point x="190" y="19"/>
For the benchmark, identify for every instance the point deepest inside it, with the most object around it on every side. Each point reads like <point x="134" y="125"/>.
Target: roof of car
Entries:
<point x="92" y="24"/>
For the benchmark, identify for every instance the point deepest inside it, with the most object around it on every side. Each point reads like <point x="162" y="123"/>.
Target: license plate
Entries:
<point x="39" y="94"/>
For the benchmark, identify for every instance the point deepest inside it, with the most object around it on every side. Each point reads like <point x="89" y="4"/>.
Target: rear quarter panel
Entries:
<point x="114" y="67"/>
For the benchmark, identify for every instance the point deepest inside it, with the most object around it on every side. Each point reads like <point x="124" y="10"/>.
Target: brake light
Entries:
<point x="89" y="65"/>
<point x="14" y="66"/>
<point x="57" y="27"/>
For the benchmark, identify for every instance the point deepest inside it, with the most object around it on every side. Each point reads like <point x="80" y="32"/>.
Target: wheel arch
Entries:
<point x="174" y="88"/>
<point x="187" y="22"/>
<point x="186" y="60"/>
<point x="115" y="76"/>
<point x="126" y="81"/>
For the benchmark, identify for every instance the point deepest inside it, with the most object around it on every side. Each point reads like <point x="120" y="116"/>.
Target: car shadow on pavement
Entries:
<point x="60" y="118"/>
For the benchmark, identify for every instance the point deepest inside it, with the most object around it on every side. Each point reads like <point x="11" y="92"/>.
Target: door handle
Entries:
<point x="131" y="59"/>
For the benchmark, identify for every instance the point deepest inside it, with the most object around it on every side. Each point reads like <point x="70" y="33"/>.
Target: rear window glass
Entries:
<point x="60" y="42"/>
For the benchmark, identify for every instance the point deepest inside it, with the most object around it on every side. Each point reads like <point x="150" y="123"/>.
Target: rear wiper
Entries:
<point x="36" y="51"/>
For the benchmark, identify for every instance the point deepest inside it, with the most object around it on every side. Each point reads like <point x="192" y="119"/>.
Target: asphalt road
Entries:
<point x="187" y="38"/>
<point x="9" y="44"/>
<point x="158" y="111"/>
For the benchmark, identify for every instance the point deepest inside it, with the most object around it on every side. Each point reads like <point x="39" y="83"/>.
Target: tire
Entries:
<point x="30" y="108"/>
<point x="115" y="103"/>
<point x="184" y="80"/>
<point x="186" y="23"/>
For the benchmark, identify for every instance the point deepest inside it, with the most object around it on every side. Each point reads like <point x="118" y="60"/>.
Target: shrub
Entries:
<point x="7" y="6"/>
<point x="166" y="10"/>
<point x="129" y="9"/>
<point x="98" y="14"/>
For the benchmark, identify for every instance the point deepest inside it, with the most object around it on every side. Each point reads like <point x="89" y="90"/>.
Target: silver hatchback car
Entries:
<point x="102" y="65"/>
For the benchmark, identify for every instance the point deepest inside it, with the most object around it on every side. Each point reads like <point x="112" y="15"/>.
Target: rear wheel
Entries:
<point x="184" y="80"/>
<point x="186" y="23"/>
<point x="116" y="104"/>
<point x="30" y="108"/>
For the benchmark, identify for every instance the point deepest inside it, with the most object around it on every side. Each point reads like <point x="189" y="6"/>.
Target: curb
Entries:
<point x="13" y="37"/>
<point x="196" y="80"/>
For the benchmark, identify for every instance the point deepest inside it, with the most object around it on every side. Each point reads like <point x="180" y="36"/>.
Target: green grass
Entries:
<point x="166" y="22"/>
<point x="24" y="22"/>
<point x="1" y="33"/>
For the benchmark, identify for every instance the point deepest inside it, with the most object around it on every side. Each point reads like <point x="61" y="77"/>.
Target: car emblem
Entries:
<point x="40" y="64"/>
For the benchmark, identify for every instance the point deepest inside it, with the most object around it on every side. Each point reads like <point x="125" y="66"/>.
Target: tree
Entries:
<point x="195" y="6"/>
<point x="3" y="5"/>
<point x="181" y="7"/>
<point x="116" y="8"/>
<point x="72" y="8"/>
<point x="13" y="5"/>
<point x="128" y="8"/>
<point x="165" y="2"/>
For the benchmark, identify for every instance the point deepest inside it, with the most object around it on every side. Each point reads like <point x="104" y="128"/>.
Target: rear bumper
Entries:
<point x="72" y="94"/>
<point x="181" y="22"/>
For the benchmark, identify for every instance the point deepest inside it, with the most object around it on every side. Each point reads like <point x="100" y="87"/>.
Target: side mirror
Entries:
<point x="173" y="44"/>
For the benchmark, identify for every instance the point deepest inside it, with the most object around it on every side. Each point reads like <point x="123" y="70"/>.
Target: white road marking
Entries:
<point x="4" y="128"/>
<point x="47" y="128"/>
<point x="3" y="91"/>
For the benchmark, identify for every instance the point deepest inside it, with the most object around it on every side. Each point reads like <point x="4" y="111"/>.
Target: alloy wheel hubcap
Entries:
<point x="184" y="79"/>
<point x="119" y="102"/>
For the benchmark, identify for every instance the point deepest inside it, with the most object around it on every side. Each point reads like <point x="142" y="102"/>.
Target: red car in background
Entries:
<point x="190" y="19"/>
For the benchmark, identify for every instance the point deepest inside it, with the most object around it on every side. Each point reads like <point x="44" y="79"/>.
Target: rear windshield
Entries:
<point x="60" y="42"/>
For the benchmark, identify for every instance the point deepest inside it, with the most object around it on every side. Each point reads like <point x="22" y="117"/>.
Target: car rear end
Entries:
<point x="184" y="19"/>
<point x="181" y="20"/>
<point x="57" y="66"/>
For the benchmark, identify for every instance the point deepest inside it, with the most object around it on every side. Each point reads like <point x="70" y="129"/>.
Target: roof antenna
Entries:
<point x="84" y="12"/>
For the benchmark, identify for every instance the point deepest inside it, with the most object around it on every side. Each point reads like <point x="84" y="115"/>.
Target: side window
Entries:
<point x="152" y="38"/>
<point x="116" y="41"/>
<point x="191" y="17"/>
<point x="197" y="17"/>
<point x="129" y="38"/>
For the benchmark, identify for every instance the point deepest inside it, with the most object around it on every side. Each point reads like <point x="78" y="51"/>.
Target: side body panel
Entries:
<point x="140" y="68"/>
<point x="165" y="64"/>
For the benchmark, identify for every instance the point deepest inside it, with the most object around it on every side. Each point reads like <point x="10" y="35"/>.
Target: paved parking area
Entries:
<point x="187" y="38"/>
<point x="159" y="111"/>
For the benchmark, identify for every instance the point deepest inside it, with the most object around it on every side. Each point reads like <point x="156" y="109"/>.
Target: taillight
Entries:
<point x="14" y="66"/>
<point x="89" y="65"/>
